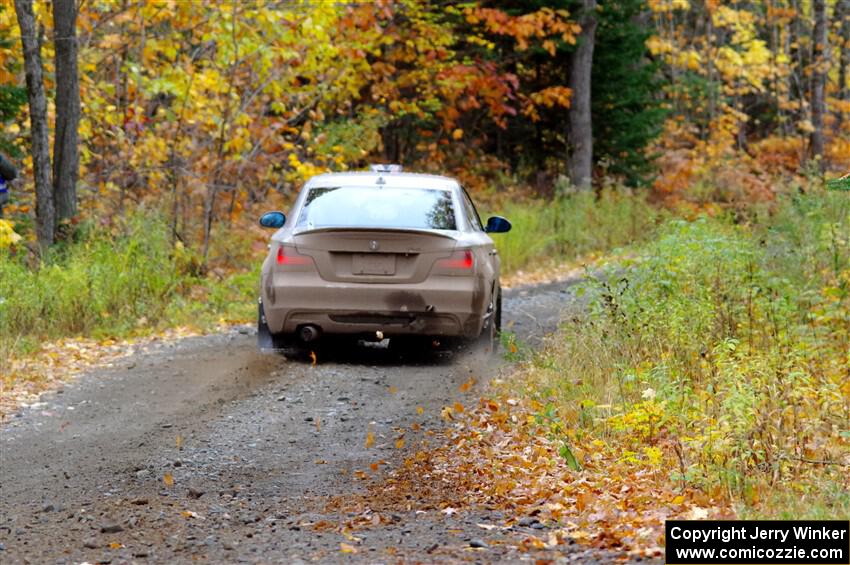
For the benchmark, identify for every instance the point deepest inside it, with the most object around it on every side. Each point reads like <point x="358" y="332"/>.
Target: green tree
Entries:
<point x="627" y="111"/>
<point x="626" y="90"/>
<point x="530" y="142"/>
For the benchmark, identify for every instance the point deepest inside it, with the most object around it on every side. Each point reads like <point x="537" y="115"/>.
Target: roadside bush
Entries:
<point x="721" y="356"/>
<point x="128" y="281"/>
<point x="104" y="282"/>
<point x="573" y="225"/>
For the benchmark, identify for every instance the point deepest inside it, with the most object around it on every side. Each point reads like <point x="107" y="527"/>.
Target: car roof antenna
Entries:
<point x="386" y="168"/>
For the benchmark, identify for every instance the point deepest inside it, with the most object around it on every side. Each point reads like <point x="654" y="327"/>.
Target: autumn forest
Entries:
<point x="207" y="110"/>
<point x="689" y="158"/>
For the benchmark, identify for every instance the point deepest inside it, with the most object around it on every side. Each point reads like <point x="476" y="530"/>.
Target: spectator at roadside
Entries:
<point x="7" y="174"/>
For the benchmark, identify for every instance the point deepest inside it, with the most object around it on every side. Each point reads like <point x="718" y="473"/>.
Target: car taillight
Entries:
<point x="460" y="260"/>
<point x="288" y="256"/>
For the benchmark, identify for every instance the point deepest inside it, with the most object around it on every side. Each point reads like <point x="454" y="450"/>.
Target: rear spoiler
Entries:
<point x="438" y="233"/>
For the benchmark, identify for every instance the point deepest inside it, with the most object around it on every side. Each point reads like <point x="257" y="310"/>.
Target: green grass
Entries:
<point x="725" y="346"/>
<point x="573" y="226"/>
<point x="130" y="281"/>
<point x="827" y="499"/>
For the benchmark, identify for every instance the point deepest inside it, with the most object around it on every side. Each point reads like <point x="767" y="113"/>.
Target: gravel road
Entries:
<point x="204" y="449"/>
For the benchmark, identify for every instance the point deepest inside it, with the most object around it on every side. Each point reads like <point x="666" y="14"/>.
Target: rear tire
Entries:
<point x="488" y="341"/>
<point x="270" y="341"/>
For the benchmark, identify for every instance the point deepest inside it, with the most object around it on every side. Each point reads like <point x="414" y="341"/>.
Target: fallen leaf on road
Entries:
<point x="168" y="479"/>
<point x="467" y="385"/>
<point x="499" y="455"/>
<point x="346" y="548"/>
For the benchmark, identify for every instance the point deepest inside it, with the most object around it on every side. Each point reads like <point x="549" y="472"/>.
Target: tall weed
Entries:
<point x="573" y="225"/>
<point x="724" y="348"/>
<point x="113" y="284"/>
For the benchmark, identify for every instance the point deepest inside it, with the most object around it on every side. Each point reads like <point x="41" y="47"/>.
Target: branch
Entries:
<point x="818" y="461"/>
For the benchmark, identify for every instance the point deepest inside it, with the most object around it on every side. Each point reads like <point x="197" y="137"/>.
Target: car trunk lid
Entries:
<point x="374" y="255"/>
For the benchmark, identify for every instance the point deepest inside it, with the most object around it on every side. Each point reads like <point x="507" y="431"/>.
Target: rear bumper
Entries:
<point x="446" y="305"/>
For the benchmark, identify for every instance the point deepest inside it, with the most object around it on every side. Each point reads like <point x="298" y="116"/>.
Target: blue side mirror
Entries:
<point x="497" y="224"/>
<point x="273" y="220"/>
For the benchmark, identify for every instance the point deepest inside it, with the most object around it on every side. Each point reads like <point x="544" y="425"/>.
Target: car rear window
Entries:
<point x="378" y="207"/>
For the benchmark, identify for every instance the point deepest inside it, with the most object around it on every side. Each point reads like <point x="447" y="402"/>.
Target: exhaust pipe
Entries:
<point x="309" y="333"/>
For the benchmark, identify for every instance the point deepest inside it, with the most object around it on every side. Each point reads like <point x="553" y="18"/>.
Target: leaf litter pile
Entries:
<point x="499" y="455"/>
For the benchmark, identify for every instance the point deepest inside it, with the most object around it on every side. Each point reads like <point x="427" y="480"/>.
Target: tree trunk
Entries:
<point x="31" y="43"/>
<point x="709" y="51"/>
<point x="66" y="157"/>
<point x="820" y="68"/>
<point x="799" y="80"/>
<point x="223" y="133"/>
<point x="580" y="159"/>
<point x="843" y="15"/>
